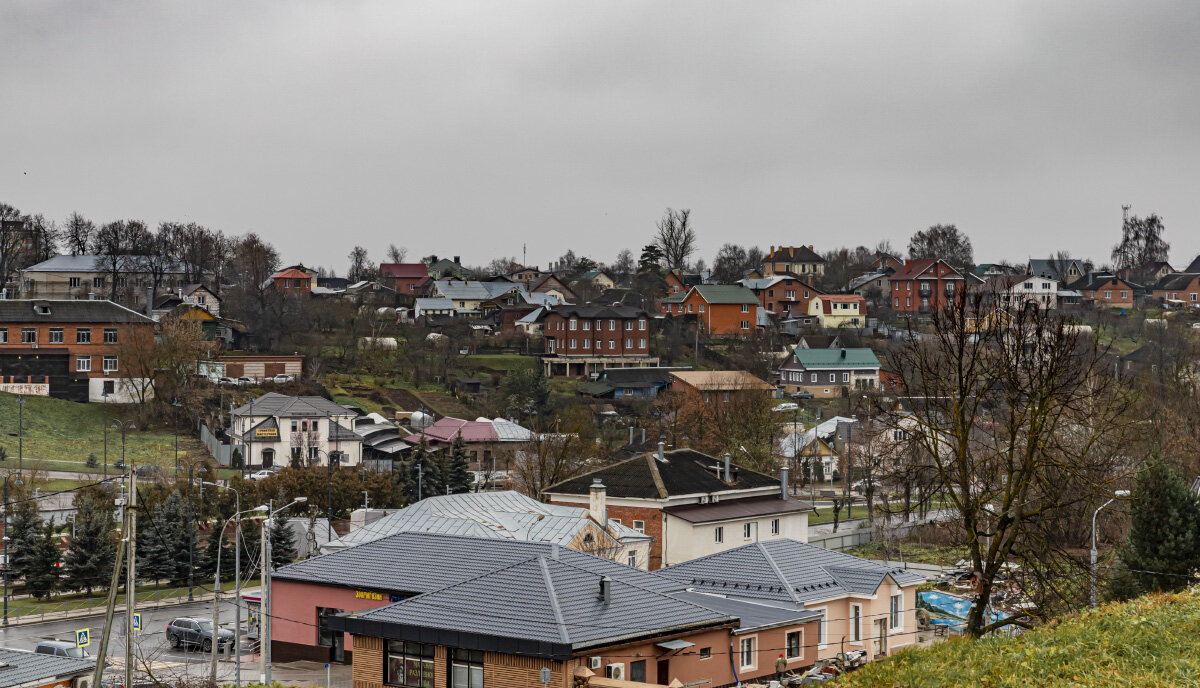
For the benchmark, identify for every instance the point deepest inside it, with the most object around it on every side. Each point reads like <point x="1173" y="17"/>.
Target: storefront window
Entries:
<point x="466" y="669"/>
<point x="409" y="664"/>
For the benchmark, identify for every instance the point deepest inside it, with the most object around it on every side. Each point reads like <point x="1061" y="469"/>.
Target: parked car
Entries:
<point x="785" y="407"/>
<point x="60" y="648"/>
<point x="281" y="379"/>
<point x="245" y="381"/>
<point x="862" y="485"/>
<point x="259" y="475"/>
<point x="149" y="470"/>
<point x="190" y="631"/>
<point x="802" y="394"/>
<point x="226" y="381"/>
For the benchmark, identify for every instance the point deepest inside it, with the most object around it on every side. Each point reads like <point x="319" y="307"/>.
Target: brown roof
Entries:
<point x="721" y="380"/>
<point x="915" y="267"/>
<point x="794" y="254"/>
<point x="737" y="508"/>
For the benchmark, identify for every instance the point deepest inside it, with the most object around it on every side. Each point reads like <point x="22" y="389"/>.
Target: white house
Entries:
<point x="277" y="430"/>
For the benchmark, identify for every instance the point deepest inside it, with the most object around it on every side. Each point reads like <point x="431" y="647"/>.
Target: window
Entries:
<point x="28" y="335"/>
<point x="1108" y="294"/>
<point x="587" y="325"/>
<point x="56" y="335"/>
<point x="110" y="335"/>
<point x="689" y="308"/>
<point x="83" y="364"/>
<point x="295" y="426"/>
<point x="822" y="628"/>
<point x="845" y="377"/>
<point x="774" y="526"/>
<point x="1045" y="285"/>
<point x="628" y="324"/>
<point x="719" y="534"/>
<point x="466" y="668"/>
<point x="747" y="652"/>
<point x="746" y="531"/>
<point x="813" y="377"/>
<point x="574" y="323"/>
<point x="707" y="397"/>
<point x="109" y="388"/>
<point x="73" y="281"/>
<point x="587" y="343"/>
<point x="3" y="335"/>
<point x="725" y="397"/>
<point x="110" y="364"/>
<point x="642" y="342"/>
<point x="856" y="623"/>
<point x="701" y="308"/>
<point x="325" y="635"/>
<point x="795" y="644"/>
<point x="896" y="612"/>
<point x="833" y="377"/>
<point x="639" y="526"/>
<point x="642" y="324"/>
<point x="83" y="335"/>
<point x="612" y="325"/>
<point x="572" y="344"/>
<point x="631" y="560"/>
<point x="628" y="343"/>
<point x="409" y="664"/>
<point x="1124" y="294"/>
<point x="706" y="653"/>
<point x="97" y="282"/>
<point x="745" y="308"/>
<point x="791" y="293"/>
<point x="612" y="344"/>
<point x="745" y="324"/>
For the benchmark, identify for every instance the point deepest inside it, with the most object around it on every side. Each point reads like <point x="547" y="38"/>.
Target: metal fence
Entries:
<point x="222" y="452"/>
<point x="854" y="536"/>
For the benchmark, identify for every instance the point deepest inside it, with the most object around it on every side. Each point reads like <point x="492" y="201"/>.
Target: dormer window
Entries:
<point x="42" y="309"/>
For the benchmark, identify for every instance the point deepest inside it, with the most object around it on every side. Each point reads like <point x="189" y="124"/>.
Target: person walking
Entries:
<point x="780" y="667"/>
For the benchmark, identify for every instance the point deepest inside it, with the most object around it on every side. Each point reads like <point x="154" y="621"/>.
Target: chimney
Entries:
<point x="643" y="435"/>
<point x="772" y="252"/>
<point x="784" y="487"/>
<point x="554" y="551"/>
<point x="457" y="261"/>
<point x="149" y="302"/>
<point x="598" y="503"/>
<point x="606" y="590"/>
<point x="661" y="445"/>
<point x="728" y="472"/>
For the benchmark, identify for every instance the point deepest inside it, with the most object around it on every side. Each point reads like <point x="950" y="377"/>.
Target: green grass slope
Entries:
<point x="1153" y="641"/>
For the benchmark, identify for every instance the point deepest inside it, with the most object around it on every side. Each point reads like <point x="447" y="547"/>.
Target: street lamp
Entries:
<point x="237" y="588"/>
<point x="192" y="526"/>
<point x="330" y="458"/>
<point x="1119" y="494"/>
<point x="18" y="481"/>
<point x="20" y="433"/>
<point x="104" y="395"/>
<point x="124" y="426"/>
<point x="175" y="413"/>
<point x="264" y="652"/>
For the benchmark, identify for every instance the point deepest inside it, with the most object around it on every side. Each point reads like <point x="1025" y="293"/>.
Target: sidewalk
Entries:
<point x="97" y="609"/>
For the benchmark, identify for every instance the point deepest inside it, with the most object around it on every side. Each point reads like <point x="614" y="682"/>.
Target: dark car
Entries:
<point x="802" y="394"/>
<point x="60" y="648"/>
<point x="191" y="631"/>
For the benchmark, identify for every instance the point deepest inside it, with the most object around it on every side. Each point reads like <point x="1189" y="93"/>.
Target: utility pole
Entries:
<point x="264" y="614"/>
<point x="216" y="641"/>
<point x="130" y="577"/>
<point x="98" y="673"/>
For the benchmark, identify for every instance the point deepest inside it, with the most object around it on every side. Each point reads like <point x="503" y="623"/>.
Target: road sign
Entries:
<point x="83" y="638"/>
<point x="137" y="622"/>
<point x="545" y="674"/>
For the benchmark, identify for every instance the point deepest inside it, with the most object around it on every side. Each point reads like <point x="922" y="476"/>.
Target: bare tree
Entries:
<point x="676" y="238"/>
<point x="77" y="234"/>
<point x="623" y="268"/>
<point x="12" y="237"/>
<point x="361" y="267"/>
<point x="1141" y="245"/>
<point x="116" y="245"/>
<point x="945" y="242"/>
<point x="1021" y="426"/>
<point x="396" y="254"/>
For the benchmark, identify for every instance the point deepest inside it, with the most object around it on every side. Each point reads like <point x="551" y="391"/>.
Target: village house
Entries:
<point x="277" y="430"/>
<point x="1067" y="271"/>
<point x="411" y="279"/>
<point x="1108" y="291"/>
<point x="445" y="268"/>
<point x="547" y="283"/>
<point x="783" y="295"/>
<point x="293" y="282"/>
<point x="829" y="372"/>
<point x="1178" y="289"/>
<point x="717" y="386"/>
<point x="72" y="350"/>
<point x="258" y="367"/>
<point x="838" y="310"/>
<point x="925" y="285"/>
<point x="691" y="503"/>
<point x="581" y="340"/>
<point x="1021" y="291"/>
<point x="489" y="443"/>
<point x="197" y="295"/>
<point x="631" y="384"/>
<point x="819" y="341"/>
<point x="509" y="515"/>
<point x="720" y="310"/>
<point x="794" y="260"/>
<point x="886" y="263"/>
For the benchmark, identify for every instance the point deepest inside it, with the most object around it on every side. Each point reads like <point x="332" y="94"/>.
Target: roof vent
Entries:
<point x="606" y="590"/>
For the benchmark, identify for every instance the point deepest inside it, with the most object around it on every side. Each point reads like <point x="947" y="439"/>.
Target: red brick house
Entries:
<point x="785" y="295"/>
<point x="583" y="339"/>
<point x="886" y="262"/>
<point x="1179" y="286"/>
<point x="925" y="285"/>
<point x="720" y="309"/>
<point x="405" y="278"/>
<point x="292" y="281"/>
<point x="1108" y="291"/>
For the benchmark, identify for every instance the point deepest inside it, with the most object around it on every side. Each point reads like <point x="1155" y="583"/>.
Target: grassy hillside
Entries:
<point x="1153" y="641"/>
<point x="57" y="430"/>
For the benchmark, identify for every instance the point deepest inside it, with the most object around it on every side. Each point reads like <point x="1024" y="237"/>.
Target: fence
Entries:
<point x="220" y="451"/>
<point x="24" y="611"/>
<point x="854" y="536"/>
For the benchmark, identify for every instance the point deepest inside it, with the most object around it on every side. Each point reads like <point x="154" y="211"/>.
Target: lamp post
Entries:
<point x="264" y="652"/>
<point x="20" y="432"/>
<point x="237" y="587"/>
<point x="175" y="413"/>
<point x="192" y="528"/>
<point x="1116" y="495"/>
<point x="104" y="394"/>
<point x="18" y="481"/>
<point x="124" y="426"/>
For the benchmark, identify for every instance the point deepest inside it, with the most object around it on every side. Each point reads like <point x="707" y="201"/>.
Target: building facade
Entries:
<point x="793" y="260"/>
<point x="720" y="310"/>
<point x="580" y="340"/>
<point x="925" y="285"/>
<point x="277" y="430"/>
<point x="829" y="372"/>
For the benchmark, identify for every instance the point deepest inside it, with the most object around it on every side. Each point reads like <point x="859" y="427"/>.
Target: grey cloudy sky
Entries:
<point x="470" y="128"/>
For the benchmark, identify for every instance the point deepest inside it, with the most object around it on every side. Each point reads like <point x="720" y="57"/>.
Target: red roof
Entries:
<point x="291" y="273"/>
<point x="828" y="300"/>
<point x="404" y="270"/>
<point x="447" y="429"/>
<point x="915" y="267"/>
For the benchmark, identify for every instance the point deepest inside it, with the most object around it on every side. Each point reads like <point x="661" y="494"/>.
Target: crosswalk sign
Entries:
<point x="83" y="638"/>
<point x="137" y="622"/>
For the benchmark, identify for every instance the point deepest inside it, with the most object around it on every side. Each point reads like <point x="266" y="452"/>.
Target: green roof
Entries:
<point x="725" y="293"/>
<point x="836" y="358"/>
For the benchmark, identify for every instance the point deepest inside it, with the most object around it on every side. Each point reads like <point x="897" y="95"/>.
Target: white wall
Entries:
<point x="684" y="541"/>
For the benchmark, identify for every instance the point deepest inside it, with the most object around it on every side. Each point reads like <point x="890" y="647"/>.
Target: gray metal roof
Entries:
<point x="416" y="562"/>
<point x="784" y="570"/>
<point x="19" y="667"/>
<point x="753" y="614"/>
<point x="67" y="311"/>
<point x="475" y="291"/>
<point x="505" y="515"/>
<point x="280" y="406"/>
<point x="93" y="263"/>
<point x="737" y="508"/>
<point x="542" y="606"/>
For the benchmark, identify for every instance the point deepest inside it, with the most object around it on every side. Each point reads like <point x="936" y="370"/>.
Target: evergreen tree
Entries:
<point x="457" y="470"/>
<point x="424" y="470"/>
<point x="283" y="542"/>
<point x="217" y="540"/>
<point x="251" y="535"/>
<point x="163" y="542"/>
<point x="41" y="579"/>
<point x="1162" y="551"/>
<point x="24" y="530"/>
<point x="92" y="549"/>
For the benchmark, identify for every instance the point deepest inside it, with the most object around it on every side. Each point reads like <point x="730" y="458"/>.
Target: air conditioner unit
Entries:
<point x="82" y="682"/>
<point x="616" y="671"/>
<point x="595" y="662"/>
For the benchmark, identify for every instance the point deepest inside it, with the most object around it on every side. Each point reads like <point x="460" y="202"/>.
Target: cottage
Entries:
<point x="793" y="260"/>
<point x="838" y="310"/>
<point x="925" y="285"/>
<point x="1179" y="289"/>
<point x="829" y="372"/>
<point x="719" y="309"/>
<point x="275" y="430"/>
<point x="1108" y="291"/>
<point x="405" y="278"/>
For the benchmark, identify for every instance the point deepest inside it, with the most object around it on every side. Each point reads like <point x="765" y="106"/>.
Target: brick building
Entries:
<point x="784" y="295"/>
<point x="77" y="345"/>
<point x="411" y="279"/>
<point x="925" y="285"/>
<point x="1180" y="288"/>
<point x="292" y="281"/>
<point x="719" y="309"/>
<point x="584" y="339"/>
<point x="1108" y="291"/>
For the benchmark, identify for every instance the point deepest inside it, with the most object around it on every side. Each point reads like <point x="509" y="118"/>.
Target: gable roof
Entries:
<point x="544" y="606"/>
<point x="785" y="570"/>
<point x="1049" y="267"/>
<point x="725" y="293"/>
<point x="67" y="311"/>
<point x="818" y="341"/>
<point x="1194" y="266"/>
<point x="291" y="273"/>
<point x="474" y="290"/>
<point x="590" y="312"/>
<point x="24" y="667"/>
<point x="638" y="377"/>
<point x="403" y="270"/>
<point x="1176" y="280"/>
<point x="721" y="380"/>
<point x="793" y="254"/>
<point x="280" y="406"/>
<point x="916" y="267"/>
<point x="1098" y="282"/>
<point x="681" y="472"/>
<point x="728" y="509"/>
<point x="835" y="358"/>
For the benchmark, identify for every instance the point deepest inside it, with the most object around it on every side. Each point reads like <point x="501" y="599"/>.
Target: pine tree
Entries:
<point x="283" y="542"/>
<point x="163" y="542"/>
<point x="92" y="549"/>
<point x="24" y="530"/>
<point x="42" y="577"/>
<point x="457" y="471"/>
<point x="218" y="539"/>
<point x="1162" y="551"/>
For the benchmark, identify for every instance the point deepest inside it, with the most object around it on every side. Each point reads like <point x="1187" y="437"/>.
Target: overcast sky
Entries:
<point x="472" y="128"/>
